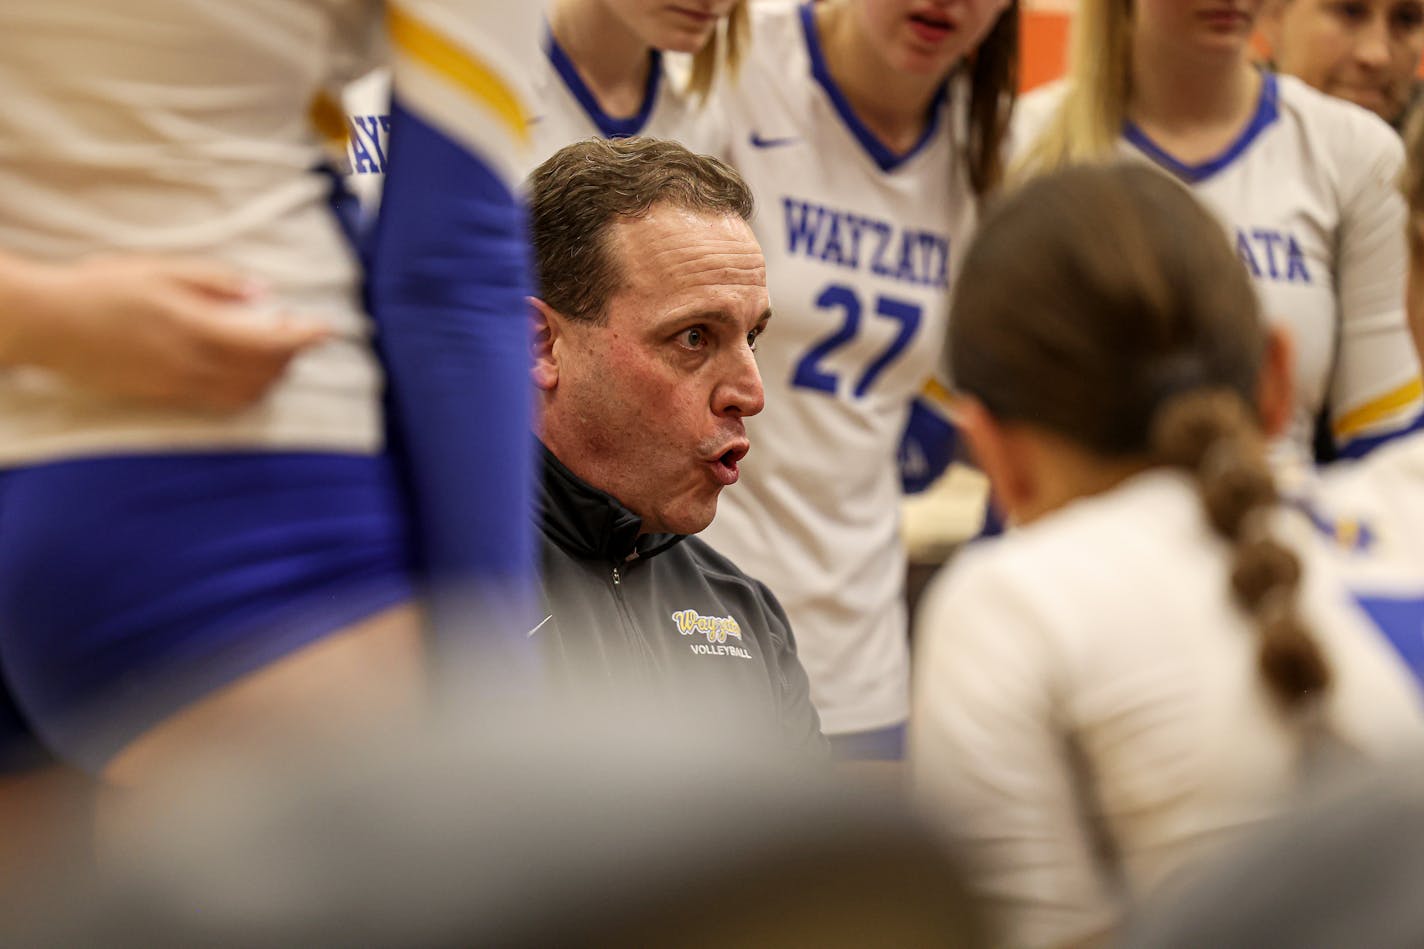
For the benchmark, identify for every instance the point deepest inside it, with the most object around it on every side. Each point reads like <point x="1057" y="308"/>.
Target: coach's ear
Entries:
<point x="548" y="326"/>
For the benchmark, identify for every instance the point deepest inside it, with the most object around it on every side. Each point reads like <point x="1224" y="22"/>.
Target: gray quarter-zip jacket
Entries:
<point x="665" y="613"/>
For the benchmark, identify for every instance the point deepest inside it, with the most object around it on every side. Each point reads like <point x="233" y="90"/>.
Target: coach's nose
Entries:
<point x="740" y="394"/>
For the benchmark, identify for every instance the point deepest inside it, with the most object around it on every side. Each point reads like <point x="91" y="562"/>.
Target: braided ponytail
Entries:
<point x="1210" y="433"/>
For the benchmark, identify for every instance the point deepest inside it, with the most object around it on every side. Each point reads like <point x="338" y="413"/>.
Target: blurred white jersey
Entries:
<point x="564" y="111"/>
<point x="1309" y="196"/>
<point x="1373" y="508"/>
<point x="204" y="129"/>
<point x="367" y="102"/>
<point x="860" y="247"/>
<point x="1090" y="716"/>
<point x="567" y="111"/>
<point x="1377" y="502"/>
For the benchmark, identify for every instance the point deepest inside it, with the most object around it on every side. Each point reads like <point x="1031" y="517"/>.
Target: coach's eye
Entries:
<point x="693" y="338"/>
<point x="752" y="338"/>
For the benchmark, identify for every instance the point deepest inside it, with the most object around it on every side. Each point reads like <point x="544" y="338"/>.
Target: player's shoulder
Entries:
<point x="1137" y="533"/>
<point x="1352" y="133"/>
<point x="775" y="21"/>
<point x="1039" y="103"/>
<point x="1032" y="112"/>
<point x="773" y="79"/>
<point x="778" y="46"/>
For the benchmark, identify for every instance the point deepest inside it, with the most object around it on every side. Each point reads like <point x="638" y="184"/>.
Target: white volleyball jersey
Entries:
<point x="566" y="110"/>
<point x="200" y="128"/>
<point x="1373" y="508"/>
<point x="860" y="247"/>
<point x="1376" y="504"/>
<point x="1309" y="197"/>
<point x="1090" y="716"/>
<point x="367" y="102"/>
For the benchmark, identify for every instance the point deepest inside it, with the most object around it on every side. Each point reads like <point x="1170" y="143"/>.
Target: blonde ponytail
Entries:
<point x="1088" y="122"/>
<point x="726" y="48"/>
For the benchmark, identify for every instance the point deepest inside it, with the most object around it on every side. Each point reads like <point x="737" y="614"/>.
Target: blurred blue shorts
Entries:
<point x="132" y="586"/>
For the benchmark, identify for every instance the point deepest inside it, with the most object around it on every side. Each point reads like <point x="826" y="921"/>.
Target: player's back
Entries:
<point x="1090" y="678"/>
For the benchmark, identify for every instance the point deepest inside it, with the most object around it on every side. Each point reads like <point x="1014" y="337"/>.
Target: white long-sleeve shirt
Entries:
<point x="1089" y="718"/>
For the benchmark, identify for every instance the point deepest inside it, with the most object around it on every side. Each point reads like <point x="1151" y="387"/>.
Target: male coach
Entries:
<point x="653" y="293"/>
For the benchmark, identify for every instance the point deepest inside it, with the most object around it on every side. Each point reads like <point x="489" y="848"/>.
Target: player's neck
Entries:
<point x="611" y="59"/>
<point x="1061" y="472"/>
<point x="1192" y="108"/>
<point x="893" y="105"/>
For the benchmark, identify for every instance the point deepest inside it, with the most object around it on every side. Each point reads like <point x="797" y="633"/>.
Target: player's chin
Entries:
<point x="690" y="49"/>
<point x="685" y="38"/>
<point x="937" y="64"/>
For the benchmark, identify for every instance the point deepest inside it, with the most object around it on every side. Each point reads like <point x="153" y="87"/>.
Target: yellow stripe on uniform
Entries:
<point x="937" y="392"/>
<point x="1357" y="420"/>
<point x="328" y="119"/>
<point x="459" y="66"/>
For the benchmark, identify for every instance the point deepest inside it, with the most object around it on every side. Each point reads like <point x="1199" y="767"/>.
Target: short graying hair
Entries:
<point x="582" y="189"/>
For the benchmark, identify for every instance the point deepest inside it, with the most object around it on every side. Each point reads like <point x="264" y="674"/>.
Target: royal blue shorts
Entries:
<point x="132" y="586"/>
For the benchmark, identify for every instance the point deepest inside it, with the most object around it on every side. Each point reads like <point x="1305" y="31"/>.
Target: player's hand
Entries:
<point x="169" y="331"/>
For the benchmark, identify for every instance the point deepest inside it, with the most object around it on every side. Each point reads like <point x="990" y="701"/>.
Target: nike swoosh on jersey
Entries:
<point x="759" y="142"/>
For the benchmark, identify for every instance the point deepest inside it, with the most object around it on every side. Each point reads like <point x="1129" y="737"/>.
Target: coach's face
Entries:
<point x="648" y="405"/>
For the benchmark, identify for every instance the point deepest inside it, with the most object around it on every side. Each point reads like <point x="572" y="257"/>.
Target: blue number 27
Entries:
<point x="837" y="296"/>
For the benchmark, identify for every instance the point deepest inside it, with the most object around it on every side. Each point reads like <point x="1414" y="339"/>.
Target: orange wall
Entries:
<point x="1043" y="48"/>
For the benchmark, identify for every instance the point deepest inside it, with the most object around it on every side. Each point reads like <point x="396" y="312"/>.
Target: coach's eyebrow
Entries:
<point x="709" y="316"/>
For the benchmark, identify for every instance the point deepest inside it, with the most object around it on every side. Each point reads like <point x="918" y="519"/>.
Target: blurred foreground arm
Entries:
<point x="449" y="277"/>
<point x="156" y="329"/>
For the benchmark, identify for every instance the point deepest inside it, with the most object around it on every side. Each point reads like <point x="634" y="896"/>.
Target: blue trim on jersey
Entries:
<point x="1361" y="446"/>
<point x="1345" y="534"/>
<point x="344" y="205"/>
<point x="884" y="157"/>
<point x="993" y="525"/>
<point x="132" y="586"/>
<point x="1267" y="111"/>
<point x="450" y="274"/>
<point x="608" y="126"/>
<point x="927" y="446"/>
<point x="1401" y="620"/>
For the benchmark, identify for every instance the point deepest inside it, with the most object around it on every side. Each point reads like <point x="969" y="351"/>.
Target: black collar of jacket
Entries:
<point x="590" y="523"/>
